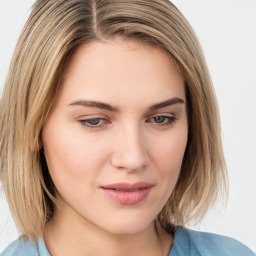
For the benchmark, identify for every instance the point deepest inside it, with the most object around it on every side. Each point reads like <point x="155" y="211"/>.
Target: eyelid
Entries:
<point x="90" y="116"/>
<point x="171" y="119"/>
<point x="83" y="120"/>
<point x="165" y="114"/>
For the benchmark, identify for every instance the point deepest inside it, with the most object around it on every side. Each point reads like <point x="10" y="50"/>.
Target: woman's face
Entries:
<point x="115" y="138"/>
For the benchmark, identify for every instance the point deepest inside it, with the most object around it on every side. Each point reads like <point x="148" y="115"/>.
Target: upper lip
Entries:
<point x="128" y="186"/>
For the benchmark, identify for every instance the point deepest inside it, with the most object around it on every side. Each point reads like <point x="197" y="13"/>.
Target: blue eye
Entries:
<point x="93" y="122"/>
<point x="162" y="120"/>
<point x="159" y="119"/>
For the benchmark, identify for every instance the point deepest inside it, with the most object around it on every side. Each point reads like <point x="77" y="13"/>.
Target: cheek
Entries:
<point x="171" y="148"/>
<point x="67" y="150"/>
<point x="168" y="155"/>
<point x="73" y="160"/>
<point x="172" y="154"/>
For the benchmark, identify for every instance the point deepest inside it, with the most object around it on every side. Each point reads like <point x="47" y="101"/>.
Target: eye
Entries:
<point x="162" y="120"/>
<point x="159" y="119"/>
<point x="93" y="122"/>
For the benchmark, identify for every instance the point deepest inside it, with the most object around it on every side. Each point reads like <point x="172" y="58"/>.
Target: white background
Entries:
<point x="227" y="31"/>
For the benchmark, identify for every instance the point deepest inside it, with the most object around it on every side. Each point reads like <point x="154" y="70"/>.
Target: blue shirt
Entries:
<point x="186" y="243"/>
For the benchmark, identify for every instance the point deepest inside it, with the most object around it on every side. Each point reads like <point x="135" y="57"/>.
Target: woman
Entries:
<point x="110" y="140"/>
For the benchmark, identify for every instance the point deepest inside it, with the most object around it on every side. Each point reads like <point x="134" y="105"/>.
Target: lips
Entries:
<point x="127" y="193"/>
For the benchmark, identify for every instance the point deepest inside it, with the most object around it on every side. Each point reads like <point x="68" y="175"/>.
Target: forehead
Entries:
<point x="103" y="70"/>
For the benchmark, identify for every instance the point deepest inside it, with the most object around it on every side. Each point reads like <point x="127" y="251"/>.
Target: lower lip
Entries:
<point x="127" y="197"/>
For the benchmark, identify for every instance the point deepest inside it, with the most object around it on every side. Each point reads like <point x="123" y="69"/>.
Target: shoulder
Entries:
<point x="21" y="247"/>
<point x="25" y="247"/>
<point x="203" y="243"/>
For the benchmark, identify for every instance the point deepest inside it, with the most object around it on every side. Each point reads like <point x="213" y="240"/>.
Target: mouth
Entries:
<point x="126" y="193"/>
<point x="126" y="190"/>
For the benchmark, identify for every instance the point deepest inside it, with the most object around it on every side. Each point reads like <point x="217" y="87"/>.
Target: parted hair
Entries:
<point x="51" y="34"/>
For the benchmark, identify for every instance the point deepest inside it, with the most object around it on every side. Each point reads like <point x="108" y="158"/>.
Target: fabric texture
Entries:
<point x="193" y="243"/>
<point x="187" y="242"/>
<point x="23" y="247"/>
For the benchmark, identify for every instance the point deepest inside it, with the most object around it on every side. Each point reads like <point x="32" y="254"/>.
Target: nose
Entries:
<point x="130" y="150"/>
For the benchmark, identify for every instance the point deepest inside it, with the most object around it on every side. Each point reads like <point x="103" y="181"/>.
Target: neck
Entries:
<point x="71" y="236"/>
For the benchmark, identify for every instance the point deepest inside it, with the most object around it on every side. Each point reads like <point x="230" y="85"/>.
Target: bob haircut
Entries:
<point x="52" y="33"/>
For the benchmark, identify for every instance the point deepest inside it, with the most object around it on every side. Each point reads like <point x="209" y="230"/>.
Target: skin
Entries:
<point x="87" y="147"/>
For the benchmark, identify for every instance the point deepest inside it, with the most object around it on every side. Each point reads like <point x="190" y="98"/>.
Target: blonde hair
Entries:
<point x="53" y="31"/>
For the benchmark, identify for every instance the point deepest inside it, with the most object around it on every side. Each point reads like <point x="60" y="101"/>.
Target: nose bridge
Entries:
<point x="130" y="151"/>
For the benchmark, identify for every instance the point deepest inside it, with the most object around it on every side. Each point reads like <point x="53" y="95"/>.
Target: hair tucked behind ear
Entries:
<point x="52" y="33"/>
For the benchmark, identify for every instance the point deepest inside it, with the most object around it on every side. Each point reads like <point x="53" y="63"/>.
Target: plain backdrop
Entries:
<point x="227" y="32"/>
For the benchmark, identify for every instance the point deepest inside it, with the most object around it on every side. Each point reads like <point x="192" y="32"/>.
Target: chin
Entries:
<point x="129" y="225"/>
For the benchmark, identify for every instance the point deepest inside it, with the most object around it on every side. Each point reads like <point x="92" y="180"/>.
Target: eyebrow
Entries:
<point x="105" y="106"/>
<point x="94" y="104"/>
<point x="167" y="103"/>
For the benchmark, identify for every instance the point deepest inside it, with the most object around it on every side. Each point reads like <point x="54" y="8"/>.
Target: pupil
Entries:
<point x="94" y="121"/>
<point x="159" y="119"/>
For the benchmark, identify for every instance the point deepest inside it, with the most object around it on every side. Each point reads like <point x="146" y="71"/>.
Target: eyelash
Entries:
<point x="168" y="121"/>
<point x="86" y="124"/>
